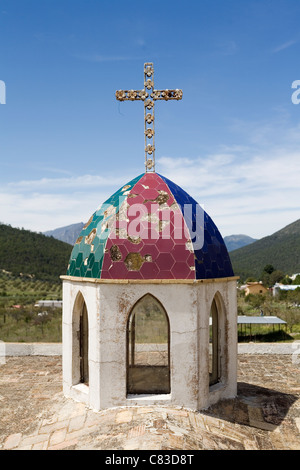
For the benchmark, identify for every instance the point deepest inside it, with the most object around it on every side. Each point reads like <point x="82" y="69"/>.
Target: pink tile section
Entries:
<point x="161" y="254"/>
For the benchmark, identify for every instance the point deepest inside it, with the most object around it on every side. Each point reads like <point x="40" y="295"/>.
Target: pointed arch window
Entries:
<point x="84" y="345"/>
<point x="80" y="347"/>
<point x="148" y="348"/>
<point x="214" y="345"/>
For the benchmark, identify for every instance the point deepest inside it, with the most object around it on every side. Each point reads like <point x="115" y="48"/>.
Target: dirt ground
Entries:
<point x="265" y="415"/>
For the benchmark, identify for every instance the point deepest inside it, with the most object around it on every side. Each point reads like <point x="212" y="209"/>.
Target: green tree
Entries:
<point x="294" y="296"/>
<point x="296" y="281"/>
<point x="276" y="276"/>
<point x="286" y="280"/>
<point x="269" y="268"/>
<point x="255" y="300"/>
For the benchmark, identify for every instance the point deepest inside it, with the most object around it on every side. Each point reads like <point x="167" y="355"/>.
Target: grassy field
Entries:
<point x="25" y="290"/>
<point x="284" y="308"/>
<point x="30" y="324"/>
<point x="21" y="321"/>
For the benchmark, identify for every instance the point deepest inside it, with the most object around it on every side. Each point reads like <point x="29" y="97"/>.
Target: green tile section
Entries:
<point x="87" y="255"/>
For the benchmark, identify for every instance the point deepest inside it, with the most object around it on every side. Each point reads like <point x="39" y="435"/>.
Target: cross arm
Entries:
<point x="166" y="95"/>
<point x="131" y="95"/>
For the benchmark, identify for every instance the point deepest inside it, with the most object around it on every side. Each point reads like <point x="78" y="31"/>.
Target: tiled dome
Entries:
<point x="158" y="248"/>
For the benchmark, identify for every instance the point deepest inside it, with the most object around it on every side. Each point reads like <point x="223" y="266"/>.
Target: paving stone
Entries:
<point x="92" y="418"/>
<point x="124" y="416"/>
<point x="34" y="439"/>
<point x="58" y="436"/>
<point x="12" y="441"/>
<point x="264" y="415"/>
<point x="56" y="425"/>
<point x="64" y="445"/>
<point x="40" y="446"/>
<point x="77" y="422"/>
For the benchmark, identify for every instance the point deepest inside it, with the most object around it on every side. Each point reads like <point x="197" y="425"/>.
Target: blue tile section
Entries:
<point x="211" y="256"/>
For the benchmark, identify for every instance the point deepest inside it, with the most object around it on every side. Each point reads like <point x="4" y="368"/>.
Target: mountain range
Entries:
<point x="233" y="242"/>
<point x="46" y="257"/>
<point x="281" y="250"/>
<point x="70" y="233"/>
<point x="248" y="255"/>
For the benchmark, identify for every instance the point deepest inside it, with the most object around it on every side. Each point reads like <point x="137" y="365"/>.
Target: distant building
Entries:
<point x="49" y="303"/>
<point x="278" y="287"/>
<point x="255" y="288"/>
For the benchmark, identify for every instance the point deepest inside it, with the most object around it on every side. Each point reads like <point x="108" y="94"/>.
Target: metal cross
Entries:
<point x="149" y="95"/>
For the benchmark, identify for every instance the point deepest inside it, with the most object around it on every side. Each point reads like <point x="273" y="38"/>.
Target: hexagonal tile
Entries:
<point x="165" y="275"/>
<point x="200" y="270"/>
<point x="181" y="254"/>
<point x="165" y="261"/>
<point x="134" y="275"/>
<point x="132" y="247"/>
<point x="135" y="198"/>
<point x="72" y="267"/>
<point x="149" y="270"/>
<point x="182" y="271"/>
<point x="153" y="236"/>
<point x="91" y="260"/>
<point x="150" y="179"/>
<point x="165" y="245"/>
<point x="96" y="269"/>
<point x="117" y="270"/>
<point x="150" y="250"/>
<point x="105" y="274"/>
<point x="145" y="231"/>
<point x="138" y="188"/>
<point x="149" y="194"/>
<point x="99" y="253"/>
<point x="79" y="260"/>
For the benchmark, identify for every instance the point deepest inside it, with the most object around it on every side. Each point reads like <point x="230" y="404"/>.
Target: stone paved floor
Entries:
<point x="265" y="415"/>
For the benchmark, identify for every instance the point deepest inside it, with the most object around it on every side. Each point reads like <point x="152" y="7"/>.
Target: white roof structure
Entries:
<point x="259" y="320"/>
<point x="286" y="286"/>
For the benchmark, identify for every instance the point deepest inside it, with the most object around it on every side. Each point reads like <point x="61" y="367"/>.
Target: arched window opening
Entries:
<point x="148" y="348"/>
<point x="80" y="346"/>
<point x="214" y="340"/>
<point x="84" y="345"/>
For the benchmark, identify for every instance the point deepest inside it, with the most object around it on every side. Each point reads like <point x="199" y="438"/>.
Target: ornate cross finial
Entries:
<point x="149" y="95"/>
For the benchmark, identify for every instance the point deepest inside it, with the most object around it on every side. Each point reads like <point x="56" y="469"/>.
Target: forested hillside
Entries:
<point x="282" y="250"/>
<point x="30" y="253"/>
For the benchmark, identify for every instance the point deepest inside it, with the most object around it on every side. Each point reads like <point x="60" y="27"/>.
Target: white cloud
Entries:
<point x="249" y="188"/>
<point x="39" y="211"/>
<point x="243" y="193"/>
<point x="67" y="183"/>
<point x="283" y="46"/>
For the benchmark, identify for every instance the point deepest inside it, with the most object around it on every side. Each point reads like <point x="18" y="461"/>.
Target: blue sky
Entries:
<point x="233" y="142"/>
